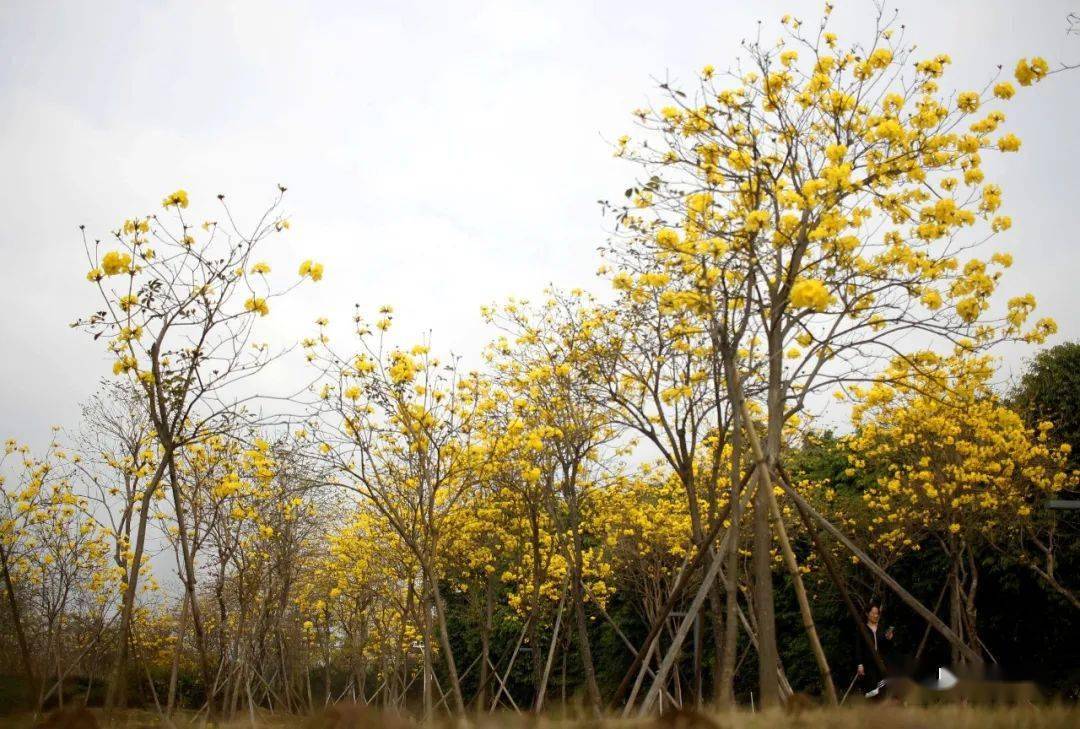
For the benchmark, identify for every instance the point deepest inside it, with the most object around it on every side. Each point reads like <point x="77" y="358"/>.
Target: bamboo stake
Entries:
<point x="506" y="676"/>
<point x="785" y="685"/>
<point x="676" y="594"/>
<point x="502" y="686"/>
<point x="804" y="603"/>
<point x="699" y="599"/>
<point x="551" y="652"/>
<point x="834" y="574"/>
<point x="622" y="636"/>
<point x="174" y="670"/>
<point x="464" y="675"/>
<point x="926" y="633"/>
<point x="641" y="678"/>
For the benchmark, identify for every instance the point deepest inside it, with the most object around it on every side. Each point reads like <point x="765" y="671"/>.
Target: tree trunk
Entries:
<point x="764" y="601"/>
<point x="189" y="578"/>
<point x="444" y="635"/>
<point x="584" y="647"/>
<point x="577" y="595"/>
<point x="16" y="620"/>
<point x="768" y="687"/>
<point x="425" y="624"/>
<point x="724" y="689"/>
<point x="954" y="616"/>
<point x="115" y="695"/>
<point x="804" y="603"/>
<point x="534" y="608"/>
<point x="174" y="672"/>
<point x="360" y="666"/>
<point x="485" y="645"/>
<point x="542" y="686"/>
<point x="970" y="611"/>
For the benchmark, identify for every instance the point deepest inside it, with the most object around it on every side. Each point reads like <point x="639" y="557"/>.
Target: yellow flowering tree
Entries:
<point x="542" y="361"/>
<point x="658" y="372"/>
<point x="178" y="312"/>
<point x="365" y="580"/>
<point x="397" y="426"/>
<point x="959" y="468"/>
<point x="816" y="205"/>
<point x="644" y="524"/>
<point x="527" y="547"/>
<point x="119" y="455"/>
<point x="54" y="562"/>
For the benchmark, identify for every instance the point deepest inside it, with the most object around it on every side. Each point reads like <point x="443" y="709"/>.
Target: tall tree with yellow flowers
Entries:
<point x="54" y="560"/>
<point x="479" y="548"/>
<point x="365" y="578"/>
<point x="120" y="457"/>
<point x="960" y="468"/>
<point x="549" y="349"/>
<point x="533" y="563"/>
<point x="820" y="203"/>
<point x="657" y="372"/>
<point x="398" y="427"/>
<point x="178" y="316"/>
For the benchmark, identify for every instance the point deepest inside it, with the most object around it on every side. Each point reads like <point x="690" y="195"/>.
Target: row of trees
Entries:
<point x="630" y="469"/>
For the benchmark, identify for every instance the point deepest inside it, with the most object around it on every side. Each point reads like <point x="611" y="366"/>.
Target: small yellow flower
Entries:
<point x="312" y="269"/>
<point x="124" y="364"/>
<point x="178" y="198"/>
<point x="968" y="102"/>
<point x="115" y="262"/>
<point x="1035" y="71"/>
<point x="256" y="303"/>
<point x="810" y="294"/>
<point x="1009" y="143"/>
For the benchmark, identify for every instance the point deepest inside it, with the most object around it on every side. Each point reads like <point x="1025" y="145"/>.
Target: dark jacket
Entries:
<point x="865" y="657"/>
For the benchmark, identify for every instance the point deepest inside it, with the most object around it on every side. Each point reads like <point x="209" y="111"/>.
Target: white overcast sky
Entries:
<point x="439" y="156"/>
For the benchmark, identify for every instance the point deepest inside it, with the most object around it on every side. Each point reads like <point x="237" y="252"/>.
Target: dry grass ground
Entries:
<point x="884" y="717"/>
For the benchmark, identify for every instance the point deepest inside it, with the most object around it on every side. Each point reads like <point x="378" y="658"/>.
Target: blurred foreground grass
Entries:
<point x="876" y="717"/>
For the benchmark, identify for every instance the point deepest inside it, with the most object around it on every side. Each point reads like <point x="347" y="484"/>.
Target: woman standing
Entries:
<point x="867" y="670"/>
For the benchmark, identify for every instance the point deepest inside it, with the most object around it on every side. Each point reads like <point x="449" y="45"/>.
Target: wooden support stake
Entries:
<point x="551" y="653"/>
<point x="676" y="594"/>
<point x="684" y="627"/>
<point x="804" y="602"/>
